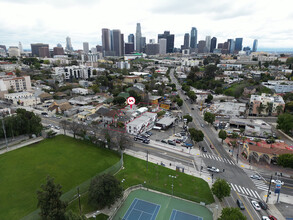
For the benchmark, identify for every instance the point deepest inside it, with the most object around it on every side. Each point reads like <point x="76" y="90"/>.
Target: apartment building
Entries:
<point x="17" y="84"/>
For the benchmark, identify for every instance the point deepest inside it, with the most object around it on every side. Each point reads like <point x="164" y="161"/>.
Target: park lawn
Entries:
<point x="157" y="178"/>
<point x="69" y="161"/>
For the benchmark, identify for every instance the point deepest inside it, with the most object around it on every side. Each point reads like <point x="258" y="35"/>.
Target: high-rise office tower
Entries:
<point x="99" y="48"/>
<point x="255" y="43"/>
<point x="122" y="45"/>
<point x="152" y="49"/>
<point x="220" y="45"/>
<point x="193" y="38"/>
<point x="201" y="45"/>
<point x="106" y="39"/>
<point x="20" y="47"/>
<point x="170" y="40"/>
<point x="152" y="41"/>
<point x="213" y="44"/>
<point x="117" y="42"/>
<point x="36" y="50"/>
<point x="68" y="44"/>
<point x="186" y="41"/>
<point x="231" y="48"/>
<point x="163" y="46"/>
<point x="238" y="44"/>
<point x="3" y="47"/>
<point x="138" y="38"/>
<point x="208" y="43"/>
<point x="58" y="51"/>
<point x="86" y="48"/>
<point x="142" y="44"/>
<point x="129" y="48"/>
<point x="131" y="38"/>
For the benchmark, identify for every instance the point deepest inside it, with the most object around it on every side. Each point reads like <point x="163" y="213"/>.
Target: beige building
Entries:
<point x="18" y="84"/>
<point x="22" y="98"/>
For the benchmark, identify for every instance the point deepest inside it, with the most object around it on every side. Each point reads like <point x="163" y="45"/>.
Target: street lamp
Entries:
<point x="122" y="181"/>
<point x="173" y="177"/>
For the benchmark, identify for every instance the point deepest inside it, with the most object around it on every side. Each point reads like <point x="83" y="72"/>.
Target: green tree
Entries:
<point x="280" y="109"/>
<point x="196" y="135"/>
<point x="64" y="124"/>
<point x="222" y="134"/>
<point x="286" y="160"/>
<point x="260" y="108"/>
<point x="285" y="123"/>
<point x="209" y="98"/>
<point x="288" y="107"/>
<point x="269" y="108"/>
<point x="119" y="100"/>
<point x="51" y="133"/>
<point x="221" y="189"/>
<point x="209" y="117"/>
<point x="104" y="191"/>
<point x="160" y="113"/>
<point x="231" y="213"/>
<point x="210" y="71"/>
<point x="179" y="102"/>
<point x="134" y="94"/>
<point x="188" y="117"/>
<point x="95" y="88"/>
<point x="288" y="97"/>
<point x="49" y="200"/>
<point x="192" y="95"/>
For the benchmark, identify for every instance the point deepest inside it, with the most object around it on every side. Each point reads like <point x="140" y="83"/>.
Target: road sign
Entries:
<point x="278" y="186"/>
<point x="277" y="190"/>
<point x="131" y="101"/>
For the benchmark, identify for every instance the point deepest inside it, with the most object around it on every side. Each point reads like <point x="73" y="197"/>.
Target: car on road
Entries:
<point x="255" y="176"/>
<point x="265" y="218"/>
<point x="255" y="205"/>
<point x="142" y="139"/>
<point x="57" y="127"/>
<point x="192" y="108"/>
<point x="172" y="142"/>
<point x="211" y="146"/>
<point x="145" y="135"/>
<point x="240" y="204"/>
<point x="202" y="125"/>
<point x="272" y="217"/>
<point x="277" y="182"/>
<point x="149" y="133"/>
<point x="178" y="135"/>
<point x="263" y="205"/>
<point x="164" y="141"/>
<point x="204" y="149"/>
<point x="178" y="141"/>
<point x="213" y="169"/>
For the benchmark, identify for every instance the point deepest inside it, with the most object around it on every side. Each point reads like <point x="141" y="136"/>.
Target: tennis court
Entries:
<point x="179" y="215"/>
<point x="141" y="210"/>
<point x="147" y="205"/>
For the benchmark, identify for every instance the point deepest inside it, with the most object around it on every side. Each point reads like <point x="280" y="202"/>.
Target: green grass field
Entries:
<point x="69" y="161"/>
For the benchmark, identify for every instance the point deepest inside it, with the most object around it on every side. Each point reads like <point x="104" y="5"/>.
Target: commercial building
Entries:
<point x="141" y="124"/>
<point x="138" y="38"/>
<point x="238" y="44"/>
<point x="68" y="44"/>
<point x="208" y="43"/>
<point x="170" y="40"/>
<point x="106" y="40"/>
<point x="231" y="109"/>
<point x="129" y="48"/>
<point x="255" y="43"/>
<point x="152" y="49"/>
<point x="163" y="46"/>
<point x="186" y="41"/>
<point x="22" y="98"/>
<point x="86" y="47"/>
<point x="193" y="38"/>
<point x="266" y="104"/>
<point x="13" y="51"/>
<point x="131" y="38"/>
<point x="201" y="46"/>
<point x="58" y="51"/>
<point x="40" y="48"/>
<point x="213" y="44"/>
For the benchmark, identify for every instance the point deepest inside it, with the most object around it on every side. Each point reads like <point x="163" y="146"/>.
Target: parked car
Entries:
<point x="185" y="144"/>
<point x="164" y="141"/>
<point x="145" y="135"/>
<point x="149" y="133"/>
<point x="202" y="125"/>
<point x="213" y="169"/>
<point x="178" y="135"/>
<point x="57" y="127"/>
<point x="178" y="141"/>
<point x="142" y="139"/>
<point x="265" y="218"/>
<point x="192" y="108"/>
<point x="255" y="205"/>
<point x="204" y="149"/>
<point x="272" y="217"/>
<point x="263" y="205"/>
<point x="255" y="176"/>
<point x="277" y="182"/>
<point x="172" y="142"/>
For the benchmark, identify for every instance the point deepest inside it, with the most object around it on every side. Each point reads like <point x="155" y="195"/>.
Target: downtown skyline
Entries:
<point x="35" y="22"/>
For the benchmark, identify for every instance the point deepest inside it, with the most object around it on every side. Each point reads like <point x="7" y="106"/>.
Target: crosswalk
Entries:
<point x="245" y="191"/>
<point x="260" y="184"/>
<point x="213" y="157"/>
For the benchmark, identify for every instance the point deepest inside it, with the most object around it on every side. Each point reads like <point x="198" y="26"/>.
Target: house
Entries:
<point x="106" y="115"/>
<point x="141" y="124"/>
<point x="132" y="79"/>
<point x="45" y="96"/>
<point x="59" y="106"/>
<point x="80" y="91"/>
<point x="140" y="86"/>
<point x="60" y="95"/>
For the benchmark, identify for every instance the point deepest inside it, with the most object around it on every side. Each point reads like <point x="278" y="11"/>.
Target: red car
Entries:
<point x="211" y="146"/>
<point x="272" y="217"/>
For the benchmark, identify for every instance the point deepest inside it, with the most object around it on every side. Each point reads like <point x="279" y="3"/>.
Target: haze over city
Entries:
<point x="52" y="21"/>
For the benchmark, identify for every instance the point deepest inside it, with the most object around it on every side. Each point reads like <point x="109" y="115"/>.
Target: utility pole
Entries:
<point x="269" y="189"/>
<point x="173" y="177"/>
<point x="147" y="159"/>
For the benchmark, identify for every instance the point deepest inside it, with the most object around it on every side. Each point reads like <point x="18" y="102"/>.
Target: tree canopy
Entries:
<point x="179" y="102"/>
<point x="286" y="160"/>
<point x="285" y="123"/>
<point x="104" y="191"/>
<point x="232" y="214"/>
<point x="209" y="117"/>
<point x="188" y="117"/>
<point x="222" y="135"/>
<point x="221" y="189"/>
<point x="196" y="135"/>
<point x="49" y="200"/>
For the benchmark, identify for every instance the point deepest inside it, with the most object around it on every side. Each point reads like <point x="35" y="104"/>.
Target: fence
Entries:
<point x="71" y="195"/>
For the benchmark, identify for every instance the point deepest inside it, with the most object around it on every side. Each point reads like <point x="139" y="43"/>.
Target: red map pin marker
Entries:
<point x="131" y="101"/>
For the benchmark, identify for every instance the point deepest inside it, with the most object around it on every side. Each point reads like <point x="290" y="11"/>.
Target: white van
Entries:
<point x="157" y="128"/>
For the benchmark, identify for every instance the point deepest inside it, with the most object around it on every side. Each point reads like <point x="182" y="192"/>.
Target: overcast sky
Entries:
<point x="51" y="21"/>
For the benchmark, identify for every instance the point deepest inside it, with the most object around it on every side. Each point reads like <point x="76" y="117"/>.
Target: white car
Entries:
<point x="255" y="205"/>
<point x="277" y="182"/>
<point x="265" y="218"/>
<point x="178" y="135"/>
<point x="213" y="169"/>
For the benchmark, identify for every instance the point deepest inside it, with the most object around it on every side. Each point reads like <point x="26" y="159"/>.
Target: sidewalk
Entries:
<point x="20" y="145"/>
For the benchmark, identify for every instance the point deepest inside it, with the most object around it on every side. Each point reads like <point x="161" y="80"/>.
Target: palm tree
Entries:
<point x="260" y="108"/>
<point x="269" y="108"/>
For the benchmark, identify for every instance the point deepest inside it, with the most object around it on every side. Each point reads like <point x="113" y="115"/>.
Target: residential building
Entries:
<point x="266" y="104"/>
<point x="22" y="98"/>
<point x="80" y="91"/>
<point x="123" y="65"/>
<point x="132" y="79"/>
<point x="193" y="38"/>
<point x="163" y="46"/>
<point x="16" y="84"/>
<point x="138" y="38"/>
<point x="279" y="86"/>
<point x="59" y="106"/>
<point x="75" y="72"/>
<point x="13" y="51"/>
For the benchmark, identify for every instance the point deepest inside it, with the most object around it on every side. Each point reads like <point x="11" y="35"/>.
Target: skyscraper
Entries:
<point x="170" y="40"/>
<point x="58" y="51"/>
<point x="122" y="45"/>
<point x="129" y="48"/>
<point x="68" y="44"/>
<point x="86" y="47"/>
<point x="193" y="38"/>
<point x="238" y="44"/>
<point x="186" y="41"/>
<point x="142" y="44"/>
<point x="231" y="48"/>
<point x="117" y="44"/>
<point x="208" y="43"/>
<point x="213" y="44"/>
<point x="138" y="38"/>
<point x="36" y="50"/>
<point x="20" y="47"/>
<point x="201" y="46"/>
<point x="255" y="43"/>
<point x="163" y="46"/>
<point x="131" y="38"/>
<point x="106" y="39"/>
